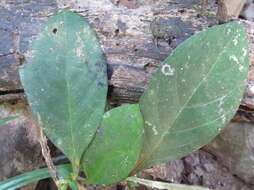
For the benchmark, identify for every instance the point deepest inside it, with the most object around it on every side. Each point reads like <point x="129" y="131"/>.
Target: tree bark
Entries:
<point x="131" y="44"/>
<point x="229" y="9"/>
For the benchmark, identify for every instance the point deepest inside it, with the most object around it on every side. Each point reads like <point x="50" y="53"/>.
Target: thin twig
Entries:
<point x="19" y="57"/>
<point x="203" y="4"/>
<point x="46" y="154"/>
<point x="37" y="133"/>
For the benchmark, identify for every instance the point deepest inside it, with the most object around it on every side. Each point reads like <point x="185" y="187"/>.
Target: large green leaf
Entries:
<point x="194" y="93"/>
<point x="13" y="183"/>
<point x="116" y="147"/>
<point x="65" y="81"/>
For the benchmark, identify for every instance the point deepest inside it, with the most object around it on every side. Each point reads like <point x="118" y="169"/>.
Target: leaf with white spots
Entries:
<point x="116" y="147"/>
<point x="65" y="81"/>
<point x="194" y="93"/>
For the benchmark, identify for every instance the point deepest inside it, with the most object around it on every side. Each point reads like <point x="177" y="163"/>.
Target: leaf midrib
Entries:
<point x="70" y="119"/>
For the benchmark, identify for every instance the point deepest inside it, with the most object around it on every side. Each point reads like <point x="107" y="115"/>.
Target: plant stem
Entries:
<point x="163" y="185"/>
<point x="46" y="155"/>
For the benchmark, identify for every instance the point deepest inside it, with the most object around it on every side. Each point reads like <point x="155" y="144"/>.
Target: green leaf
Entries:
<point x="13" y="183"/>
<point x="3" y="121"/>
<point x="65" y="81"/>
<point x="163" y="185"/>
<point x="194" y="93"/>
<point x="116" y="147"/>
<point x="73" y="185"/>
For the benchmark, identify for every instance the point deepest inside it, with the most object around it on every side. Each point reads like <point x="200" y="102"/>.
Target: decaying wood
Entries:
<point x="248" y="100"/>
<point x="128" y="41"/>
<point x="229" y="9"/>
<point x="19" y="151"/>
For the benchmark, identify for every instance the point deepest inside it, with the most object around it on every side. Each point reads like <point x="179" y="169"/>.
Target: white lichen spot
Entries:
<point x="221" y="110"/>
<point x="79" y="49"/>
<point x="87" y="126"/>
<point x="148" y="123"/>
<point x="106" y="115"/>
<point x="151" y="92"/>
<point x="223" y="119"/>
<point x="79" y="52"/>
<point x="241" y="68"/>
<point x="235" y="41"/>
<point x="234" y="58"/>
<point x="30" y="54"/>
<point x="87" y="31"/>
<point x="125" y="161"/>
<point x="155" y="132"/>
<point x="167" y="70"/>
<point x="59" y="142"/>
<point x="244" y="52"/>
<point x="228" y="30"/>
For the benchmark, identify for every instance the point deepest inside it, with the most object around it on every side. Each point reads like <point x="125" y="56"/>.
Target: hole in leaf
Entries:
<point x="54" y="30"/>
<point x="82" y="174"/>
<point x="181" y="11"/>
<point x="117" y="31"/>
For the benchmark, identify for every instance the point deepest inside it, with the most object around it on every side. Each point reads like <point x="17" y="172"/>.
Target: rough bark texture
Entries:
<point x="200" y="168"/>
<point x="236" y="141"/>
<point x="19" y="150"/>
<point x="229" y="9"/>
<point x="136" y="35"/>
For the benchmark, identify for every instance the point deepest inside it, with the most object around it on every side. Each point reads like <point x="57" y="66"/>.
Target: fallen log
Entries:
<point x="135" y="41"/>
<point x="136" y="36"/>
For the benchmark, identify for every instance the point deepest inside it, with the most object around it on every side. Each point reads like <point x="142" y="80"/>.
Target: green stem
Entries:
<point x="36" y="175"/>
<point x="163" y="185"/>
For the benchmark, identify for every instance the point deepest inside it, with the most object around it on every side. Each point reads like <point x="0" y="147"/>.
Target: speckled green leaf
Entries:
<point x="66" y="83"/>
<point x="116" y="147"/>
<point x="194" y="93"/>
